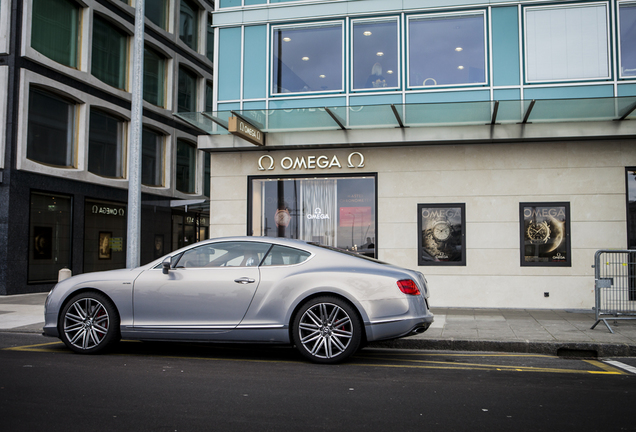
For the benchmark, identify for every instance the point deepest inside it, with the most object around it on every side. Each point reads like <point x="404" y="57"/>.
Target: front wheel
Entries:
<point x="327" y="330"/>
<point x="89" y="323"/>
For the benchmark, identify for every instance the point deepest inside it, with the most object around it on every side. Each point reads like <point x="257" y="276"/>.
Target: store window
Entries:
<point x="186" y="167"/>
<point x="189" y="23"/>
<point x="545" y="234"/>
<point x="49" y="236"/>
<point x="307" y="59"/>
<point x="154" y="77"/>
<point x="627" y="24"/>
<point x="441" y="234"/>
<point x="105" y="145"/>
<point x="152" y="144"/>
<point x="447" y="49"/>
<point x="110" y="53"/>
<point x="567" y="42"/>
<point x="157" y="12"/>
<point x="375" y="54"/>
<point x="104" y="235"/>
<point x="332" y="211"/>
<point x="187" y="92"/>
<point x="55" y="30"/>
<point x="51" y="129"/>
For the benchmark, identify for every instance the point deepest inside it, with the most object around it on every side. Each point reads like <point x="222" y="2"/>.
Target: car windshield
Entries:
<point x="346" y="252"/>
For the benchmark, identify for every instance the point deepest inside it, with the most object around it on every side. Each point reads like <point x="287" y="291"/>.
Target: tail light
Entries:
<point x="407" y="286"/>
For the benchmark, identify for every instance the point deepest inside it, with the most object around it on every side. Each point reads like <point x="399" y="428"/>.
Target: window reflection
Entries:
<point x="151" y="158"/>
<point x="447" y="50"/>
<point x="307" y="59"/>
<point x="375" y="55"/>
<point x="627" y="38"/>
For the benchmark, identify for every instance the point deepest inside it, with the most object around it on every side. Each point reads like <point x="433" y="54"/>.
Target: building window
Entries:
<point x="189" y="24"/>
<point x="187" y="97"/>
<point x="54" y="31"/>
<point x="441" y="234"/>
<point x="631" y="208"/>
<point x="375" y="54"/>
<point x="307" y="59"/>
<point x="186" y="167"/>
<point x="209" y="97"/>
<point x="49" y="236"/>
<point x="110" y="53"/>
<point x="157" y="12"/>
<point x="209" y="50"/>
<point x="154" y="77"/>
<point x="627" y="24"/>
<point x="105" y="145"/>
<point x="566" y="43"/>
<point x="545" y="234"/>
<point x="446" y="50"/>
<point x="151" y="158"/>
<point x="333" y="211"/>
<point x="207" y="173"/>
<point x="51" y="129"/>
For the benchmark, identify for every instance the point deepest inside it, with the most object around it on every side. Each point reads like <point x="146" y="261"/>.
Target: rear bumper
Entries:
<point x="398" y="328"/>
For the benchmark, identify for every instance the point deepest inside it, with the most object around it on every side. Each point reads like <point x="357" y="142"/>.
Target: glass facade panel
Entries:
<point x="54" y="31"/>
<point x="332" y="211"/>
<point x="627" y="23"/>
<point x="307" y="59"/>
<point x="50" y="229"/>
<point x="157" y="12"/>
<point x="187" y="93"/>
<point x="446" y="50"/>
<point x="564" y="43"/>
<point x="186" y="167"/>
<point x="189" y="24"/>
<point x="151" y="158"/>
<point x="154" y="77"/>
<point x="51" y="129"/>
<point x="110" y="53"/>
<point x="105" y="145"/>
<point x="104" y="236"/>
<point x="375" y="55"/>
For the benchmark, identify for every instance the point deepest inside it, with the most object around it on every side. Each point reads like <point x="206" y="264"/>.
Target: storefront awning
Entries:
<point x="421" y="115"/>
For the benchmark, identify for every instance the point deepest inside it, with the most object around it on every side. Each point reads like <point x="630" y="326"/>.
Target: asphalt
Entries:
<point x="565" y="333"/>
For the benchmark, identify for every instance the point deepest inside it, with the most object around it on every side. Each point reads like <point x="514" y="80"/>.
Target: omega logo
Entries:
<point x="267" y="163"/>
<point x="318" y="214"/>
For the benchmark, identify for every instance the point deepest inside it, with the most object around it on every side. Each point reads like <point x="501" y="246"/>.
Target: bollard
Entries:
<point x="64" y="273"/>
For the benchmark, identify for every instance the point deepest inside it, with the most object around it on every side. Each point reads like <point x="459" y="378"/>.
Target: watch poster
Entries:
<point x="442" y="237"/>
<point x="545" y="234"/>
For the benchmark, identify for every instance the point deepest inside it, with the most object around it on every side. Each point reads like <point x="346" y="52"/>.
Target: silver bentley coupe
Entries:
<point x="325" y="301"/>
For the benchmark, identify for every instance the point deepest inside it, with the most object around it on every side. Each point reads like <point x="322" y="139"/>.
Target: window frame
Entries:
<point x="389" y="19"/>
<point x="121" y="144"/>
<point x="608" y="46"/>
<point x="343" y="40"/>
<point x="78" y="30"/>
<point x="445" y="15"/>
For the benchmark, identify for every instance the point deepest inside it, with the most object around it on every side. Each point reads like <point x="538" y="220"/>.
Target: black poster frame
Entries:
<point x="544" y="235"/>
<point x="438" y="221"/>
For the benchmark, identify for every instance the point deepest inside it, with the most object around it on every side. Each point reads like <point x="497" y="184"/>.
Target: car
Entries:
<point x="325" y="301"/>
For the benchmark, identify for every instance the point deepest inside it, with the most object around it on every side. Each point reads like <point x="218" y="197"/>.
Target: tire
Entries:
<point x="327" y="330"/>
<point x="89" y="323"/>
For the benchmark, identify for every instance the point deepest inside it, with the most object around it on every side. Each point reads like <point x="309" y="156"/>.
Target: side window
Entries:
<point x="281" y="255"/>
<point x="227" y="254"/>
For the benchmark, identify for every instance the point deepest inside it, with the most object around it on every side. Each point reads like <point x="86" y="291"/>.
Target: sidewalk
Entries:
<point x="543" y="331"/>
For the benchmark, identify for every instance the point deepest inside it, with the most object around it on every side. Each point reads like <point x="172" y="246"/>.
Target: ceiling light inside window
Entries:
<point x="460" y="67"/>
<point x="379" y="54"/>
<point x="287" y="39"/>
<point x="321" y="76"/>
<point x="389" y="72"/>
<point x="458" y="49"/>
<point x="367" y="33"/>
<point x="305" y="58"/>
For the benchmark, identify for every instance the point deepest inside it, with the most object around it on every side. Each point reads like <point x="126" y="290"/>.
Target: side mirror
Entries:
<point x="166" y="264"/>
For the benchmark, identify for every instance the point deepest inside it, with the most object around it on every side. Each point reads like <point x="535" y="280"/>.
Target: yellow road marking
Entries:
<point x="34" y="348"/>
<point x="606" y="367"/>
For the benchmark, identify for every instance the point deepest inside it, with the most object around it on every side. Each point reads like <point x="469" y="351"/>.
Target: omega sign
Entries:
<point x="243" y="129"/>
<point x="267" y="162"/>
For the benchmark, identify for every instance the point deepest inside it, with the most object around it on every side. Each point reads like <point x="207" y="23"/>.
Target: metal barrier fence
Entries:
<point x="615" y="285"/>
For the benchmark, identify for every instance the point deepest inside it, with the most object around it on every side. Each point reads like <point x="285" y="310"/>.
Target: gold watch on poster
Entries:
<point x="538" y="233"/>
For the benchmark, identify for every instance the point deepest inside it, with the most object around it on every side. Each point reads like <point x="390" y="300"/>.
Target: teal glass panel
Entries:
<point x="110" y="53"/>
<point x="230" y="3"/>
<point x="186" y="167"/>
<point x="375" y="54"/>
<point x="511" y="111"/>
<point x="459" y="96"/>
<point x="189" y="24"/>
<point x="203" y="122"/>
<point x="297" y="119"/>
<point x="229" y="67"/>
<point x="256" y="105"/>
<point x="154" y="77"/>
<point x="187" y="91"/>
<point x="54" y="31"/>
<point x="507" y="94"/>
<point x="375" y="99"/>
<point x="627" y="22"/>
<point x="505" y="46"/>
<point x="254" y="2"/>
<point x="439" y="114"/>
<point x="157" y="12"/>
<point x="593" y="109"/>
<point x="373" y="116"/>
<point x="255" y="62"/>
<point x="569" y="92"/>
<point x="307" y="103"/>
<point x="627" y="90"/>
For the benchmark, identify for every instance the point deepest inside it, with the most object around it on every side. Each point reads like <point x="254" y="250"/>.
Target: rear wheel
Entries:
<point x="89" y="323"/>
<point x="327" y="330"/>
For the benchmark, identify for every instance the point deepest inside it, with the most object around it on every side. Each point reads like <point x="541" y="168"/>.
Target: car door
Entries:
<point x="210" y="287"/>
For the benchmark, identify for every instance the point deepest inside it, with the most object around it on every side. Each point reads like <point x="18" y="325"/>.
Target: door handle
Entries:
<point x="244" y="280"/>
